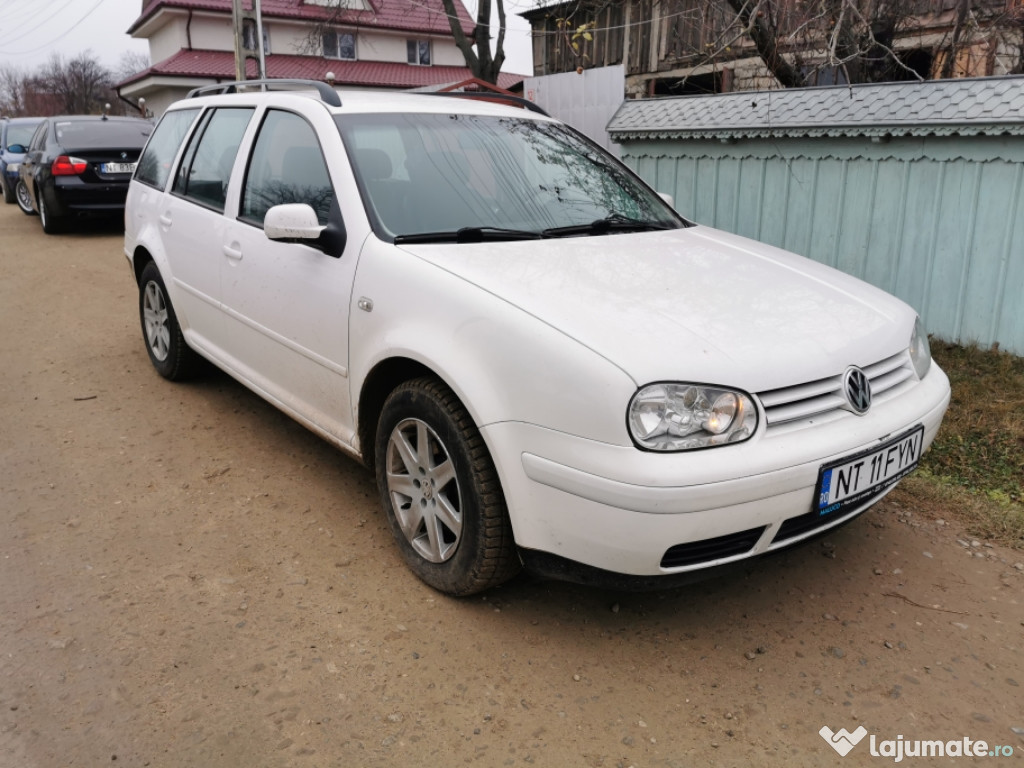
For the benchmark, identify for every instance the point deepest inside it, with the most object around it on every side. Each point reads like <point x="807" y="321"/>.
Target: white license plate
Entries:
<point x="117" y="167"/>
<point x="854" y="479"/>
<point x="12" y="167"/>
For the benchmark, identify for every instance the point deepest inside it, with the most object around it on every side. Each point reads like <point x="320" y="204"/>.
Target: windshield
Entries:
<point x="499" y="177"/>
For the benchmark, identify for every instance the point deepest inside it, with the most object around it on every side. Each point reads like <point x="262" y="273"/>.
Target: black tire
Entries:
<point x="24" y="198"/>
<point x="52" y="225"/>
<point x="8" y="191"/>
<point x="441" y="495"/>
<point x="165" y="344"/>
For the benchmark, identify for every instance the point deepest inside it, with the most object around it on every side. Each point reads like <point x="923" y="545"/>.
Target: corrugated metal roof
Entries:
<point x="973" y="106"/>
<point x="408" y="15"/>
<point x="221" y="65"/>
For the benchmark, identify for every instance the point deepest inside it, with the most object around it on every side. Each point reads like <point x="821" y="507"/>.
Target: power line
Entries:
<point x="17" y="32"/>
<point x="59" y="37"/>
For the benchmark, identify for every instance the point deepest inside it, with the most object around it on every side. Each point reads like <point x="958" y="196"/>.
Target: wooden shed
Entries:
<point x="915" y="187"/>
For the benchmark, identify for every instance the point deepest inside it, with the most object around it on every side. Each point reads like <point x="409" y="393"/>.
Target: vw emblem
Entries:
<point x="124" y="155"/>
<point x="857" y="388"/>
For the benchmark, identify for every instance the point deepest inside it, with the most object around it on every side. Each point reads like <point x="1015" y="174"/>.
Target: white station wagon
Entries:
<point x="544" y="364"/>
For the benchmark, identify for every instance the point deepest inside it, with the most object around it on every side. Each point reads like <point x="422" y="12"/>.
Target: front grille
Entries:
<point x="707" y="550"/>
<point x="823" y="400"/>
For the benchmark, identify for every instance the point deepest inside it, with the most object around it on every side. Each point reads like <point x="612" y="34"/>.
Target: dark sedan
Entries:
<point x="79" y="166"/>
<point x="14" y="137"/>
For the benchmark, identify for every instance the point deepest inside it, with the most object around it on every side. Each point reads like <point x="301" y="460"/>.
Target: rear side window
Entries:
<point x="206" y="168"/>
<point x="287" y="166"/>
<point x="155" y="164"/>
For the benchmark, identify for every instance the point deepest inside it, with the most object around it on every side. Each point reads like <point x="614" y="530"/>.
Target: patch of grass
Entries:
<point x="974" y="470"/>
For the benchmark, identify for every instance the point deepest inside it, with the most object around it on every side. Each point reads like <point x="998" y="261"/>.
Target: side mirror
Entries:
<point x="293" y="221"/>
<point x="17" y="149"/>
<point x="668" y="199"/>
<point x="297" y="223"/>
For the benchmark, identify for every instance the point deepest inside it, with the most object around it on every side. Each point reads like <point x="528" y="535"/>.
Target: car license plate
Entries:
<point x="12" y="167"/>
<point x="117" y="167"/>
<point x="854" y="479"/>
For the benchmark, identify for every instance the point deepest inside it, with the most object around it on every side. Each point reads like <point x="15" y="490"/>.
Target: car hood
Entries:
<point x="692" y="304"/>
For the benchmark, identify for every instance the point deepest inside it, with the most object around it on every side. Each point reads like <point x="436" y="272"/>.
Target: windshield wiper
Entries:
<point x="470" y="235"/>
<point x="615" y="222"/>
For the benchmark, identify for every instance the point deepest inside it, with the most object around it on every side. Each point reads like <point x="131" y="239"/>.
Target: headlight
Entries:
<point x="681" y="417"/>
<point x="920" y="352"/>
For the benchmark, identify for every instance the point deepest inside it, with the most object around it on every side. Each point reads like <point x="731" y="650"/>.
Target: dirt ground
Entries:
<point x="188" y="578"/>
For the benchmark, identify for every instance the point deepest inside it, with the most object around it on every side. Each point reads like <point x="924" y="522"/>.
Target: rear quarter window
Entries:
<point x="156" y="161"/>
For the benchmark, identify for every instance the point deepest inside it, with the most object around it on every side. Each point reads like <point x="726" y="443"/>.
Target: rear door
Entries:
<point x="193" y="225"/>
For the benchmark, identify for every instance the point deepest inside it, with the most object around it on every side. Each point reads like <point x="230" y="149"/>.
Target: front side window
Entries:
<point x="418" y="52"/>
<point x="155" y="164"/>
<point x="287" y="166"/>
<point x="205" y="171"/>
<point x="339" y="44"/>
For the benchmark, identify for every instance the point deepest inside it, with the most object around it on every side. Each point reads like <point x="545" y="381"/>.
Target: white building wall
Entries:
<point x="167" y="40"/>
<point x="585" y="101"/>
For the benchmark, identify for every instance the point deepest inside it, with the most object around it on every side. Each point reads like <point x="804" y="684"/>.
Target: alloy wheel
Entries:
<point x="158" y="334"/>
<point x="424" y="490"/>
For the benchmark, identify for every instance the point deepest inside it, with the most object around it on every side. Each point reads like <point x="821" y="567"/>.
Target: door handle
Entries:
<point x="233" y="251"/>
<point x="165" y="219"/>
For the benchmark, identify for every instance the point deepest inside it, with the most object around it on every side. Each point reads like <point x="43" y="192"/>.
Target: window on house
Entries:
<point x="249" y="36"/>
<point x="418" y="52"/>
<point x="339" y="45"/>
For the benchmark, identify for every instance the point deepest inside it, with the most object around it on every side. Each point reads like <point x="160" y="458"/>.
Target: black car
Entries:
<point x="14" y="137"/>
<point x="80" y="166"/>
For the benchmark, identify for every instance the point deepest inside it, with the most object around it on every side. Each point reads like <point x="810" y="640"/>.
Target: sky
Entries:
<point x="31" y="30"/>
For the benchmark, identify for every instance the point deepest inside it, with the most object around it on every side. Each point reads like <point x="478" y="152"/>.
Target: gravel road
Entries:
<point x="191" y="579"/>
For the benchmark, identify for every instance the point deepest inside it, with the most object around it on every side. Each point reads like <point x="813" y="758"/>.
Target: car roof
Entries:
<point x="365" y="101"/>
<point x="95" y="118"/>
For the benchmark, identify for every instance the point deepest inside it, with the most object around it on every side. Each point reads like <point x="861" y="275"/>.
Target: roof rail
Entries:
<point x="498" y="97"/>
<point x="327" y="93"/>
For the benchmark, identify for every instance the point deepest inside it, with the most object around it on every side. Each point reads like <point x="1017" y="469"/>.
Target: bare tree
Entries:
<point x="130" y="63"/>
<point x="482" y="59"/>
<point x="482" y="62"/>
<point x="800" y="42"/>
<point x="81" y="84"/>
<point x="14" y="85"/>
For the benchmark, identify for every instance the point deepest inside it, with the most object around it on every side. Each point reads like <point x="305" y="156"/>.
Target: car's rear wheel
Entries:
<point x="52" y="225"/>
<point x="8" y="190"/>
<point x="441" y="492"/>
<point x="170" y="355"/>
<point x="24" y="198"/>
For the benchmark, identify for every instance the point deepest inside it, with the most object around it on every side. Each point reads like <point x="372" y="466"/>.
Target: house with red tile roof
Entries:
<point x="398" y="44"/>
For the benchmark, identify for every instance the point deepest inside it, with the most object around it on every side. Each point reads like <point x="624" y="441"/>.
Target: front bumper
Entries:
<point x="625" y="511"/>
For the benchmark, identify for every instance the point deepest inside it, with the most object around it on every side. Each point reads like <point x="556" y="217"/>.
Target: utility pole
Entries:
<point x="239" y="17"/>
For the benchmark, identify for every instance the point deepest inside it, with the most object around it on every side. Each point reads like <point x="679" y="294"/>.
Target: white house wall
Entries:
<point x="214" y="33"/>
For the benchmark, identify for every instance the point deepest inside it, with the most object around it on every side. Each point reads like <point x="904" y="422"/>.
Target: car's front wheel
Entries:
<point x="170" y="355"/>
<point x="24" y="198"/>
<point x="441" y="492"/>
